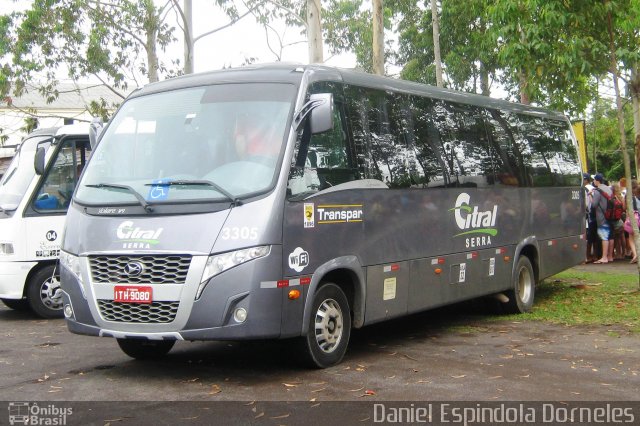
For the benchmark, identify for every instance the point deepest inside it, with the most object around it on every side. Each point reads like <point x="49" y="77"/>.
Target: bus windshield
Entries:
<point x="202" y="144"/>
<point x="19" y="174"/>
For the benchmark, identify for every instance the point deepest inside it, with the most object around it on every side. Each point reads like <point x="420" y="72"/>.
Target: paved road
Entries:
<point x="439" y="355"/>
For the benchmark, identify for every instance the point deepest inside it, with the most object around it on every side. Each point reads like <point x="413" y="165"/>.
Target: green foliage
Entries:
<point x="79" y="38"/>
<point x="587" y="298"/>
<point x="467" y="45"/>
<point x="602" y="130"/>
<point x="552" y="49"/>
<point x="347" y="27"/>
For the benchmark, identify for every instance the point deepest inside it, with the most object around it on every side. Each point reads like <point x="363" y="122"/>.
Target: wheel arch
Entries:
<point x="347" y="273"/>
<point x="36" y="268"/>
<point x="528" y="248"/>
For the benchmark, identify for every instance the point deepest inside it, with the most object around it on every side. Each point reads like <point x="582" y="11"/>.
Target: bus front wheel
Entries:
<point x="44" y="293"/>
<point x="145" y="349"/>
<point x="524" y="286"/>
<point x="329" y="327"/>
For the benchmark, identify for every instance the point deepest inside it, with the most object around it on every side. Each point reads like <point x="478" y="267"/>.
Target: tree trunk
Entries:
<point x="484" y="80"/>
<point x="188" y="37"/>
<point x="314" y="31"/>
<point x="524" y="97"/>
<point x="436" y="42"/>
<point x="151" y="29"/>
<point x="634" y="85"/>
<point x="378" y="37"/>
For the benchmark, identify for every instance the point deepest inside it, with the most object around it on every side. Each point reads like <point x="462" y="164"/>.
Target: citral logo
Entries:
<point x="137" y="238"/>
<point x="473" y="221"/>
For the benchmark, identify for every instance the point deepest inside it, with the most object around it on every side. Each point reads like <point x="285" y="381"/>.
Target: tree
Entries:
<point x="551" y="50"/>
<point x="314" y="31"/>
<point x="378" y="37"/>
<point x="435" y="23"/>
<point x="83" y="38"/>
<point x="117" y="43"/>
<point x="467" y="45"/>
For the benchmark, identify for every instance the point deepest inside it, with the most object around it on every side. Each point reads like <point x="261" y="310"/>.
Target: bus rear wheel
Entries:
<point x="524" y="286"/>
<point x="145" y="349"/>
<point x="329" y="327"/>
<point x="44" y="293"/>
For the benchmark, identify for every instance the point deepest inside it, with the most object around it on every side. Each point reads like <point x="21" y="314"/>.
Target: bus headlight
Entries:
<point x="6" y="249"/>
<point x="72" y="263"/>
<point x="219" y="263"/>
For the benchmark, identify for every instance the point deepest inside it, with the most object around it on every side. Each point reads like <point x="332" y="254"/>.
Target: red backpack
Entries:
<point x="615" y="208"/>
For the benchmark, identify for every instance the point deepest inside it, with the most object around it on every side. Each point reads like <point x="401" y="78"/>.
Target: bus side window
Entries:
<point x="327" y="162"/>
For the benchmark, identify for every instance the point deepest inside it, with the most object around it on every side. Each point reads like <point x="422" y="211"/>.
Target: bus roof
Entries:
<point x="294" y="73"/>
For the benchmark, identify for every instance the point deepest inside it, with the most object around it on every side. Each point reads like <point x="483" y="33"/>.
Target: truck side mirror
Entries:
<point x="38" y="161"/>
<point x="322" y="113"/>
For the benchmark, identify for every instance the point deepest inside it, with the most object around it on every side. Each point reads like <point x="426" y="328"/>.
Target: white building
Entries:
<point x="71" y="105"/>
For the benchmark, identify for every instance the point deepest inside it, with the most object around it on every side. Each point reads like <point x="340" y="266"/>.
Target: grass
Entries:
<point x="585" y="298"/>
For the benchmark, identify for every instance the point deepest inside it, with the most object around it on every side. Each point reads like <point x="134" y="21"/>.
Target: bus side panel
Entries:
<point x="556" y="253"/>
<point x="440" y="280"/>
<point x="387" y="291"/>
<point x="321" y="229"/>
<point x="44" y="236"/>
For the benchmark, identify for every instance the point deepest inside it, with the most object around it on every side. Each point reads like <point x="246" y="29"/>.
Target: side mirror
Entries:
<point x="95" y="129"/>
<point x="322" y="113"/>
<point x="38" y="161"/>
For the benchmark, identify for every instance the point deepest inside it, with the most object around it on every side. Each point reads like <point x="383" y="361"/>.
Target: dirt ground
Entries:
<point x="450" y="354"/>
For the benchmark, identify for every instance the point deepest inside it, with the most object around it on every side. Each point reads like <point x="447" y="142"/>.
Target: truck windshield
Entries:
<point x="19" y="174"/>
<point x="230" y="135"/>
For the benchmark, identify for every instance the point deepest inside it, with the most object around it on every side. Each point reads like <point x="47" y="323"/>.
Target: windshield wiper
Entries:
<point x="235" y="201"/>
<point x="135" y="193"/>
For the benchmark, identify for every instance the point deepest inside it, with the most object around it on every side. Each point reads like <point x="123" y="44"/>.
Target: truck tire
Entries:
<point x="524" y="287"/>
<point x="44" y="293"/>
<point x="145" y="349"/>
<point x="329" y="328"/>
<point x="16" y="304"/>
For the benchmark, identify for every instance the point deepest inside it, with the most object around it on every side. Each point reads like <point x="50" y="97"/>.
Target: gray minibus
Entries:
<point x="284" y="201"/>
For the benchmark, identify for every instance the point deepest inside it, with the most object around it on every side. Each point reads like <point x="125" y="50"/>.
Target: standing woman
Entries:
<point x="619" y="240"/>
<point x="631" y="240"/>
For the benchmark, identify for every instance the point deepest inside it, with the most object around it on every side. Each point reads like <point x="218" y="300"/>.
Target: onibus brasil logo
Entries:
<point x="477" y="225"/>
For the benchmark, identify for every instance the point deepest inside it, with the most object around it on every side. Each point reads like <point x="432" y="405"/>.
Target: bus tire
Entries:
<point x="329" y="328"/>
<point x="524" y="286"/>
<point x="16" y="304"/>
<point x="44" y="293"/>
<point x="145" y="349"/>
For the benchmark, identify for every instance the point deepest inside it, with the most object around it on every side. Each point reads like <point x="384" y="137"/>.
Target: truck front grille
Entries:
<point x="156" y="312"/>
<point x="165" y="269"/>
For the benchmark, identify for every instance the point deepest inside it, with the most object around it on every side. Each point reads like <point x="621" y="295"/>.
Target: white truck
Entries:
<point x="35" y="192"/>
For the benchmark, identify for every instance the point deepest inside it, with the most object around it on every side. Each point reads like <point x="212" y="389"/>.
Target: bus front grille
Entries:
<point x="156" y="312"/>
<point x="166" y="269"/>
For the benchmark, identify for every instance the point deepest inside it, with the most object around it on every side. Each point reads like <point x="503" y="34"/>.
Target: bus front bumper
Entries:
<point x="13" y="276"/>
<point x="241" y="303"/>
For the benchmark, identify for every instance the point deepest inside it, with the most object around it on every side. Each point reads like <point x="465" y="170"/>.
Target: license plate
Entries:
<point x="128" y="294"/>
